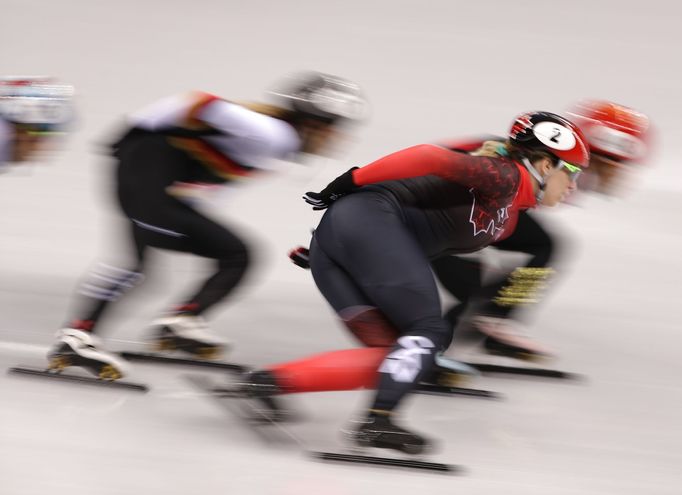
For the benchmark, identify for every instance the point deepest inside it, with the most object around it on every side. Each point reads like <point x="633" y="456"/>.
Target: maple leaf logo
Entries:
<point x="485" y="221"/>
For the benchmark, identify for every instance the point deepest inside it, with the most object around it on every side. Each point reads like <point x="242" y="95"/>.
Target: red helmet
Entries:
<point x="613" y="130"/>
<point x="545" y="131"/>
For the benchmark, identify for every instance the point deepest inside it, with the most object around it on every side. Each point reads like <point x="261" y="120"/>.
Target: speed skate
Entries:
<point x="57" y="374"/>
<point x="268" y="419"/>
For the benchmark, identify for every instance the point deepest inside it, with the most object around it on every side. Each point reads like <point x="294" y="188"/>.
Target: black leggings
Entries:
<point x="363" y="254"/>
<point x="147" y="165"/>
<point x="462" y="277"/>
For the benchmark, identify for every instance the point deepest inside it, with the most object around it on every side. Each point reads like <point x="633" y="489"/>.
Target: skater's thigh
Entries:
<point x="461" y="277"/>
<point x="335" y="284"/>
<point x="210" y="239"/>
<point x="186" y="230"/>
<point x="358" y="312"/>
<point x="367" y="238"/>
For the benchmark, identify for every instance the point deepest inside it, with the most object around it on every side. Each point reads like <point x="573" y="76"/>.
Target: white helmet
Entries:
<point x="36" y="101"/>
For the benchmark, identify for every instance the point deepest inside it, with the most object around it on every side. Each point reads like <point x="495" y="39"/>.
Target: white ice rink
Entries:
<point x="431" y="70"/>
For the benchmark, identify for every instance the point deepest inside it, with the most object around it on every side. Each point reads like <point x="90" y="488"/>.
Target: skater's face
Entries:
<point x="559" y="182"/>
<point x="610" y="174"/>
<point x="27" y="143"/>
<point x="319" y="138"/>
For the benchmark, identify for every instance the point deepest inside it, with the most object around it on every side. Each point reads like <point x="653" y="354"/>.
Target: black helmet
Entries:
<point x="322" y="97"/>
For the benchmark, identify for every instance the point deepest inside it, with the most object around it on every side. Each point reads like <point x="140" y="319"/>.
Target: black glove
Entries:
<point x="300" y="256"/>
<point x="340" y="186"/>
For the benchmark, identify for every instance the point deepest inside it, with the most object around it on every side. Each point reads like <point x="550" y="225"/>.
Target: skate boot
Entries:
<point x="80" y="348"/>
<point x="258" y="384"/>
<point x="262" y="387"/>
<point x="378" y="431"/>
<point x="187" y="333"/>
<point x="505" y="338"/>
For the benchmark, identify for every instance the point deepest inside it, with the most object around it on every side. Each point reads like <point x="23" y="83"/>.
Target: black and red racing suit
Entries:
<point x="463" y="277"/>
<point x="373" y="247"/>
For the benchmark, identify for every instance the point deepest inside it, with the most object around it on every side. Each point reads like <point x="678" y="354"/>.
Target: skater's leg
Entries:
<point x="366" y="238"/>
<point x="210" y="240"/>
<point x="347" y="369"/>
<point x="145" y="167"/>
<point x="521" y="288"/>
<point x="174" y="226"/>
<point x="76" y="346"/>
<point x="461" y="278"/>
<point x="337" y="370"/>
<point x="106" y="283"/>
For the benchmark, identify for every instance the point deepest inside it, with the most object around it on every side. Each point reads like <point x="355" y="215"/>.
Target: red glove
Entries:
<point x="300" y="256"/>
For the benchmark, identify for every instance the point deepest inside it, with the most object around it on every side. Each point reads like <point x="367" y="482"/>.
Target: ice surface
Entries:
<point x="431" y="70"/>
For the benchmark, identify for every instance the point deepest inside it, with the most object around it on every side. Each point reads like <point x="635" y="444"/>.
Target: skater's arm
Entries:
<point x="252" y="135"/>
<point x="486" y="175"/>
<point x="493" y="177"/>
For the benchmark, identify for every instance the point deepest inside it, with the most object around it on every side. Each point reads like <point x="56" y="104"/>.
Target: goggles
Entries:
<point x="41" y="129"/>
<point x="573" y="171"/>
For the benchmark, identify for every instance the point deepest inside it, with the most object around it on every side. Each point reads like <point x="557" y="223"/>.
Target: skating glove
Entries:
<point x="300" y="256"/>
<point x="340" y="186"/>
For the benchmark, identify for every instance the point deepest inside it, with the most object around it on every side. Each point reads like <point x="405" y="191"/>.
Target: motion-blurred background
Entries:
<point x="431" y="70"/>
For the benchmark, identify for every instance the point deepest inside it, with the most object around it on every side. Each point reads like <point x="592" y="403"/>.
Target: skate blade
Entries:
<point x="397" y="462"/>
<point x="490" y="368"/>
<point x="430" y="389"/>
<point x="245" y="410"/>
<point x="412" y="451"/>
<point x="266" y="410"/>
<point x="149" y="357"/>
<point x="521" y="355"/>
<point x="170" y="345"/>
<point x="86" y="380"/>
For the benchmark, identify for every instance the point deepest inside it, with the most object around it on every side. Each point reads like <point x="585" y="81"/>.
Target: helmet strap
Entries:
<point x="539" y="178"/>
